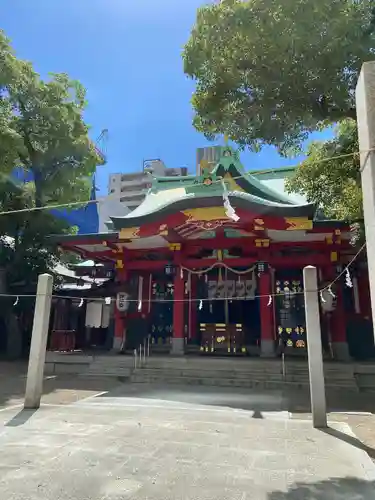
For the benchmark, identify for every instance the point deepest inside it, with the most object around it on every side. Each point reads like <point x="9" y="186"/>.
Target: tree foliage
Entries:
<point x="42" y="132"/>
<point x="333" y="184"/>
<point x="270" y="72"/>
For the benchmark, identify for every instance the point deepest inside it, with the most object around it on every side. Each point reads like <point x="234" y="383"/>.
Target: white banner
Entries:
<point x="94" y="312"/>
<point x="250" y="287"/>
<point x="240" y="289"/>
<point x="243" y="289"/>
<point x="230" y="289"/>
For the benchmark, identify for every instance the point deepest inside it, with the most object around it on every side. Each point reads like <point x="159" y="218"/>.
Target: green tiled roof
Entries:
<point x="180" y="193"/>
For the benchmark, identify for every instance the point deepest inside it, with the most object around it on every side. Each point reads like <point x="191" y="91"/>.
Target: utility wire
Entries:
<point x="203" y="299"/>
<point x="244" y="175"/>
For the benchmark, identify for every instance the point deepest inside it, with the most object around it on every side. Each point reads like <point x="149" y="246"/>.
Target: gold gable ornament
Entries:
<point x="298" y="223"/>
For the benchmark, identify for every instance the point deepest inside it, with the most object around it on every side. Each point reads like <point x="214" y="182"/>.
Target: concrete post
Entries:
<point x="365" y="103"/>
<point x="34" y="383"/>
<point x="314" y="347"/>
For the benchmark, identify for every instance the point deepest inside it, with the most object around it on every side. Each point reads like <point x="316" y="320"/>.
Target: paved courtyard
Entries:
<point x="160" y="444"/>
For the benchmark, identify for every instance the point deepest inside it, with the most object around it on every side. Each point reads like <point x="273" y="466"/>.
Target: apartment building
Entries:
<point x="210" y="154"/>
<point x="131" y="188"/>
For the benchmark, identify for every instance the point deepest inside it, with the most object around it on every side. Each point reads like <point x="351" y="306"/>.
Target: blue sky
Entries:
<point x="127" y="53"/>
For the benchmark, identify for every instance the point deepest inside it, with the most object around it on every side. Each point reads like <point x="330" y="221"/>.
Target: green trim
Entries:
<point x="275" y="170"/>
<point x="112" y="236"/>
<point x="199" y="191"/>
<point x="230" y="162"/>
<point x="153" y="212"/>
<point x="160" y="183"/>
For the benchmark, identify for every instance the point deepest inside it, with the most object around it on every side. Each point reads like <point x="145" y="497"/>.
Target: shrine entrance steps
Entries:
<point x="212" y="371"/>
<point x="246" y="373"/>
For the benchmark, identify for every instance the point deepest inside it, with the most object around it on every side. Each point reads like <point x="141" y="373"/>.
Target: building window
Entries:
<point x="131" y="177"/>
<point x="132" y="199"/>
<point x="113" y="190"/>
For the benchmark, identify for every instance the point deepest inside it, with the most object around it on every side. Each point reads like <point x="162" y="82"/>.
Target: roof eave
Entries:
<point x="237" y="200"/>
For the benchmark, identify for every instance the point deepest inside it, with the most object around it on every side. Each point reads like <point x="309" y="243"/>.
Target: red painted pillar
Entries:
<point x="178" y="340"/>
<point x="266" y="315"/>
<point x="146" y="294"/>
<point x="119" y="317"/>
<point x="193" y="307"/>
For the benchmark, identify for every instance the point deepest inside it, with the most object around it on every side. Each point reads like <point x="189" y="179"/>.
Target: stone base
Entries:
<point x="178" y="347"/>
<point x="267" y="349"/>
<point x="117" y="342"/>
<point x="341" y="351"/>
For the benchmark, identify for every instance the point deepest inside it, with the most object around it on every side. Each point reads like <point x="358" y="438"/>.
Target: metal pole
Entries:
<point x="148" y="346"/>
<point x="140" y="354"/>
<point x="144" y="350"/>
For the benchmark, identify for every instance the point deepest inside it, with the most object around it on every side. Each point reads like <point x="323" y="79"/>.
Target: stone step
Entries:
<point x="226" y="371"/>
<point x="211" y="366"/>
<point x="144" y="378"/>
<point x="212" y="373"/>
<point x="218" y="371"/>
<point x="231" y="378"/>
<point x="252" y="371"/>
<point x="140" y="377"/>
<point x="207" y="374"/>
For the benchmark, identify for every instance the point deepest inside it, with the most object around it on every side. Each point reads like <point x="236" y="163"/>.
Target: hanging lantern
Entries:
<point x="122" y="302"/>
<point x="170" y="270"/>
<point x="262" y="267"/>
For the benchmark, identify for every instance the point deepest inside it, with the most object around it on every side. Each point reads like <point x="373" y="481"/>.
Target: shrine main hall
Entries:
<point x="212" y="263"/>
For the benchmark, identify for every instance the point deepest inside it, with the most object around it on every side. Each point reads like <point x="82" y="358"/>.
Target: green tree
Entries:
<point x="25" y="252"/>
<point x="42" y="131"/>
<point x="270" y="72"/>
<point x="333" y="184"/>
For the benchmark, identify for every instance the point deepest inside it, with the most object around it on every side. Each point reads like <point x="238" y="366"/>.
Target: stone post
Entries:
<point x="365" y="103"/>
<point x="314" y="348"/>
<point x="34" y="383"/>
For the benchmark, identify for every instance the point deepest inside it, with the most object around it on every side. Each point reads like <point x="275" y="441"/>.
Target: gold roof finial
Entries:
<point x="226" y="139"/>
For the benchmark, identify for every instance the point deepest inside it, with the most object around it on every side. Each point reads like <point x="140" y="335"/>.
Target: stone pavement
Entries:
<point x="165" y="445"/>
<point x="56" y="390"/>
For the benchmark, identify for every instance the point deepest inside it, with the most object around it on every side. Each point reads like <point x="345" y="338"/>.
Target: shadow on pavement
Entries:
<point x="21" y="418"/>
<point x="296" y="401"/>
<point x="64" y="389"/>
<point x="352" y="440"/>
<point x="56" y="389"/>
<point x="348" y="488"/>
